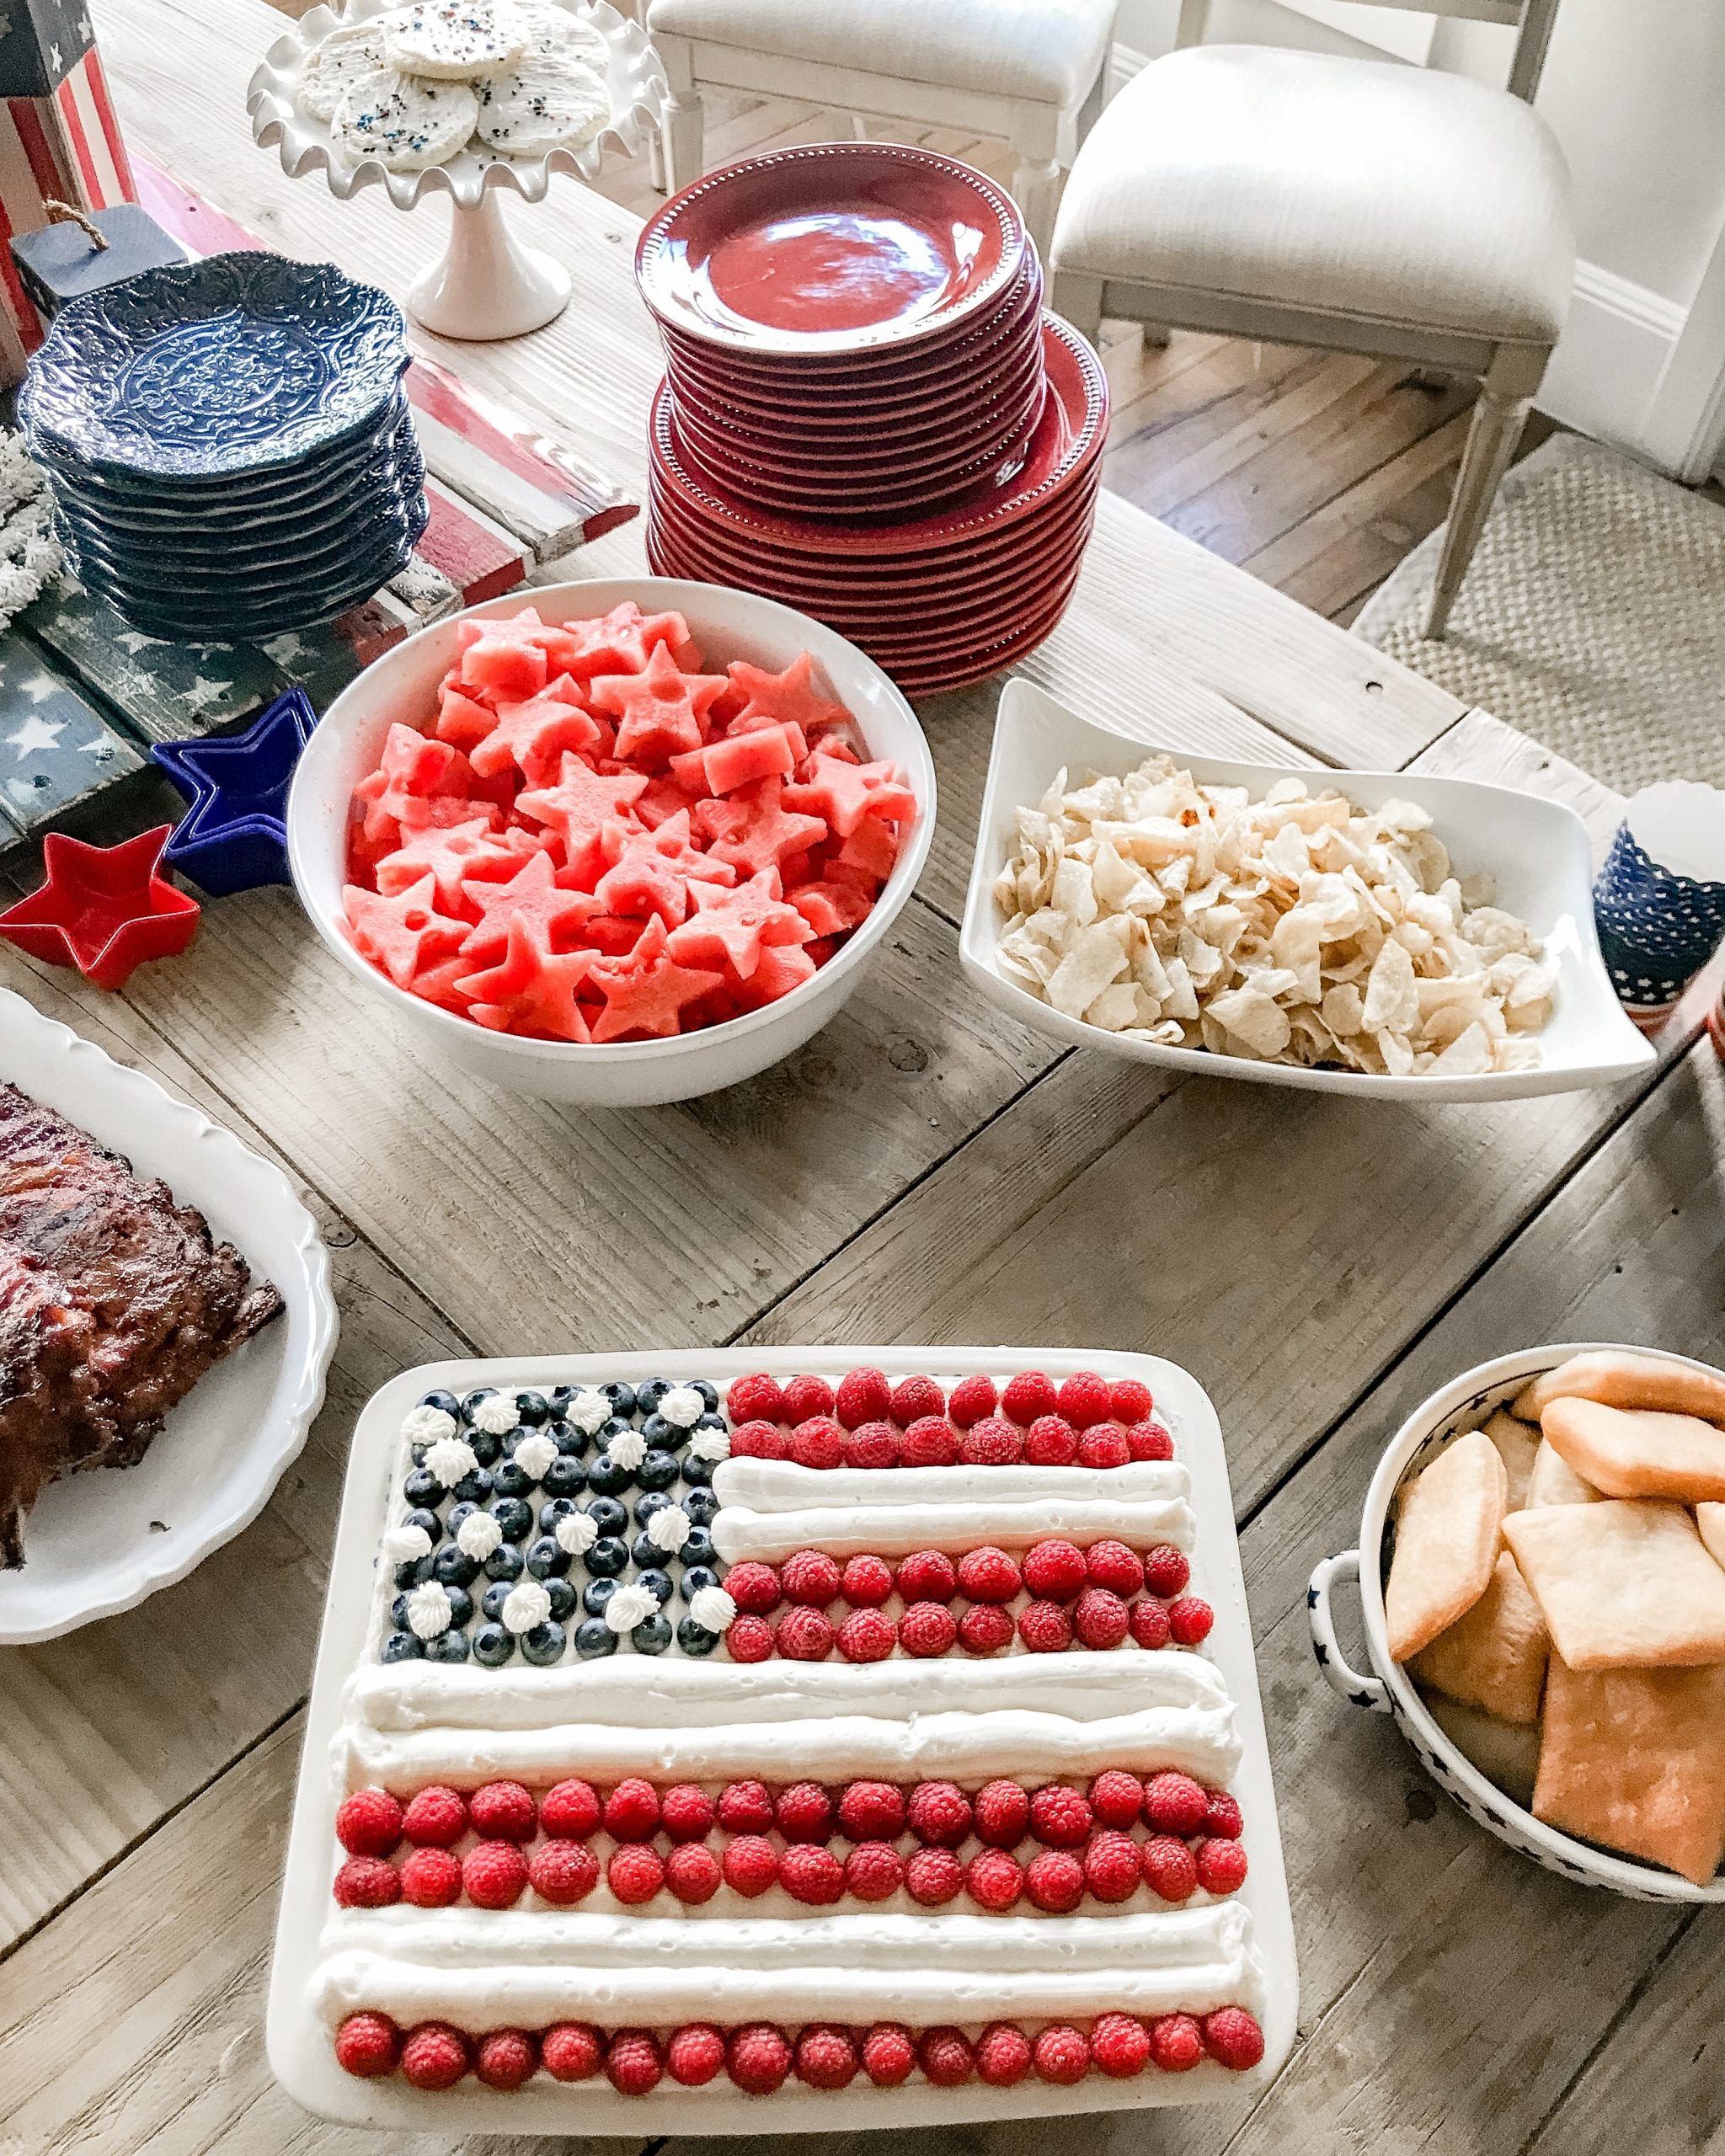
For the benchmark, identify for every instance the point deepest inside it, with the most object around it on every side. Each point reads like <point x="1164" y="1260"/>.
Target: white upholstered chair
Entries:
<point x="1363" y="205"/>
<point x="1028" y="70"/>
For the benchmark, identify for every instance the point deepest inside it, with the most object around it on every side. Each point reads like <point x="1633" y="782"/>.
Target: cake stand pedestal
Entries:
<point x="487" y="284"/>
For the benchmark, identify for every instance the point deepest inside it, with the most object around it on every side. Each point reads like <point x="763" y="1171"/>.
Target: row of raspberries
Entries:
<point x="760" y="2058"/>
<point x="866" y="1396"/>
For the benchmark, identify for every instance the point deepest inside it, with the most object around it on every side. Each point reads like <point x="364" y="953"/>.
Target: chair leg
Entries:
<point x="1491" y="437"/>
<point x="685" y="135"/>
<point x="1078" y="298"/>
<point x="1036" y="190"/>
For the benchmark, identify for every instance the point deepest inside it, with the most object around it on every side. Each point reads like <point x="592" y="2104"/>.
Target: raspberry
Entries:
<point x="994" y="1441"/>
<point x="1168" y="1869"/>
<point x="633" y="2065"/>
<point x="1175" y="2042"/>
<point x="994" y="1880"/>
<point x="691" y="1872"/>
<point x="811" y="1874"/>
<point x="504" y="2058"/>
<point x="1100" y="1618"/>
<point x="872" y="1812"/>
<point x="494" y="1874"/>
<point x="803" y="1812"/>
<point x="1112" y="1564"/>
<point x="750" y="1639"/>
<point x="888" y="2054"/>
<point x="931" y="1441"/>
<point x="1151" y="1440"/>
<point x="685" y="1812"/>
<point x="1117" y="1798"/>
<point x="1149" y="1620"/>
<point x="435" y="2056"/>
<point x="632" y="1811"/>
<point x="369" y="1823"/>
<point x="365" y="2045"/>
<point x="1119" y="2043"/>
<point x="1061" y="2055"/>
<point x="749" y="1865"/>
<point x="1002" y="1814"/>
<point x="503" y="1811"/>
<point x="1130" y="1401"/>
<point x="1111" y="1868"/>
<point x="695" y="2054"/>
<point x="757" y="2058"/>
<point x="807" y="1397"/>
<point x="1054" y="1571"/>
<point x="810" y="1578"/>
<point x="1050" y="1441"/>
<point x="759" y="1441"/>
<point x="1189" y="1620"/>
<point x="1083" y="1400"/>
<point x="1232" y="2038"/>
<point x="635" y="1873"/>
<point x="865" y="1582"/>
<point x="1166" y="1572"/>
<point x="1059" y="1818"/>
<point x="804" y="1635"/>
<point x="1055" y="1880"/>
<point x="932" y="1876"/>
<point x="927" y="1628"/>
<point x="562" y="1872"/>
<point x="570" y="1810"/>
<point x="988" y="1575"/>
<point x="1222" y="1865"/>
<point x="1044" y="1628"/>
<point x="745" y="1808"/>
<point x="1028" y="1395"/>
<point x="873" y="1870"/>
<point x="939" y="1814"/>
<point x="915" y="1397"/>
<point x="1103" y="1446"/>
<point x="928" y="1576"/>
<point x="825" y="2057"/>
<point x="984" y="1629"/>
<point x="817" y="1442"/>
<point x="436" y="1817"/>
<point x="757" y="1395"/>
<point x="867" y="1636"/>
<point x="1222" y="1816"/>
<point x="1174" y="1804"/>
<point x="863" y="1397"/>
<point x="367" y="1882"/>
<point x="971" y="1399"/>
<point x="431" y="1878"/>
<point x="945" y="2058"/>
<point x="876" y="1444"/>
<point x="753" y="1587"/>
<point x="568" y="2051"/>
<point x="1002" y="2055"/>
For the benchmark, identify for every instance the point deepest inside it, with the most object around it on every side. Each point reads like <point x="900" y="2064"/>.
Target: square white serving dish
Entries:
<point x="1537" y="851"/>
<point x="100" y="1542"/>
<point x="300" y="2049"/>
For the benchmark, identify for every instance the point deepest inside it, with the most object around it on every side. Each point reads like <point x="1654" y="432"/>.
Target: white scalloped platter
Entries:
<point x="638" y="96"/>
<point x="99" y="1542"/>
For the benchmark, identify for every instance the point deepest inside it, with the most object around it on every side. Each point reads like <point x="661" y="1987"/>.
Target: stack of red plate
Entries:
<point x="866" y="412"/>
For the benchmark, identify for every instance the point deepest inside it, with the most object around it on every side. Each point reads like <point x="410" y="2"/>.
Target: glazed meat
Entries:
<point x="114" y="1302"/>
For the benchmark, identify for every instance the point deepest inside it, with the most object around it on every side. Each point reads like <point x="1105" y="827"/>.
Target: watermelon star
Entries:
<point x="504" y="656"/>
<point x="845" y="793"/>
<point x="401" y="932"/>
<point x="645" y="992"/>
<point x="621" y="643"/>
<point x="533" y="734"/>
<point x="790" y="696"/>
<point x="533" y="991"/>
<point x="531" y="896"/>
<point x="445" y="856"/>
<point x="659" y="710"/>
<point x="751" y="829"/>
<point x="730" y="926"/>
<point x="651" y="870"/>
<point x="578" y="806"/>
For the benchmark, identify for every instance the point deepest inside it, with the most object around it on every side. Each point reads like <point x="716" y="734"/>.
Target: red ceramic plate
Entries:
<point x="830" y="247"/>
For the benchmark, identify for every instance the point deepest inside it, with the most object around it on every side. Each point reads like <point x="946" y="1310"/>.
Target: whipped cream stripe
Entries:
<point x="779" y="1486"/>
<point x="894" y="1530"/>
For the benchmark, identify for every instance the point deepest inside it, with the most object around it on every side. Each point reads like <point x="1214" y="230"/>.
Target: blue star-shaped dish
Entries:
<point x="234" y="837"/>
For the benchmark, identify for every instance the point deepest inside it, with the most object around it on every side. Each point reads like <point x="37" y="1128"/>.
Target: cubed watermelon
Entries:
<point x="461" y="719"/>
<point x="505" y="659"/>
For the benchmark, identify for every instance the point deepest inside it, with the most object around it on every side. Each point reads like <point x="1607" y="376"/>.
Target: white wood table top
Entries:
<point x="923" y="1170"/>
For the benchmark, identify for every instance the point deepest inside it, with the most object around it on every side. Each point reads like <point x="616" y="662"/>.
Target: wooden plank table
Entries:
<point x="924" y="1169"/>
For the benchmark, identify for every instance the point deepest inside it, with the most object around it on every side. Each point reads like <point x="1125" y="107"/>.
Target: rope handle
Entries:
<point x="66" y="213"/>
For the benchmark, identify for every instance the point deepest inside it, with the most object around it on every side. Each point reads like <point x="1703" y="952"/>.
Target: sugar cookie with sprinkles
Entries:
<point x="350" y="53"/>
<point x="454" y="40"/>
<point x="406" y="123"/>
<point x="548" y="100"/>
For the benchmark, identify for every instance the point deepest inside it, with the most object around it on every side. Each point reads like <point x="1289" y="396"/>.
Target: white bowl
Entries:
<point x="1466" y="1404"/>
<point x="1537" y="851"/>
<point x="403" y="684"/>
<point x="99" y="1542"/>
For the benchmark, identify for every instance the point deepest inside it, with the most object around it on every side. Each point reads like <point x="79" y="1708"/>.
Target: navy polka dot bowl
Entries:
<point x="1464" y="1405"/>
<point x="1657" y="929"/>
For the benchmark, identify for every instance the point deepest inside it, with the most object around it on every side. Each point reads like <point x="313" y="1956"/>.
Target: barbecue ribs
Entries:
<point x="114" y="1302"/>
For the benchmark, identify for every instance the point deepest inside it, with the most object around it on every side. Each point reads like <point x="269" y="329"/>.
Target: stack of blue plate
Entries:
<point x="229" y="445"/>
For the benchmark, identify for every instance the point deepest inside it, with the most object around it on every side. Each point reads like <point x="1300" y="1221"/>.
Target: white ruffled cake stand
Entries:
<point x="487" y="285"/>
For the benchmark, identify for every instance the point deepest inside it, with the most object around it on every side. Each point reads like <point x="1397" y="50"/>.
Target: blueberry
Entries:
<point x="413" y="1573"/>
<point x="418" y="1454"/>
<point x="694" y="1578"/>
<point x="665" y="1435"/>
<point x="596" y="1594"/>
<point x="423" y="1517"/>
<point x="621" y="1397"/>
<point x="453" y="1566"/>
<point x="656" y="1583"/>
<point x="607" y="1476"/>
<point x="697" y="1472"/>
<point x="657" y="1471"/>
<point x="570" y="1439"/>
<point x="510" y="1480"/>
<point x="495" y="1597"/>
<point x="563" y="1599"/>
<point x="548" y="1558"/>
<point x="504" y="1563"/>
<point x="512" y="1515"/>
<point x="544" y="1644"/>
<point x="607" y="1557"/>
<point x="701" y="1505"/>
<point x="531" y="1406"/>
<point x="461" y="1606"/>
<point x="486" y="1445"/>
<point x="557" y="1508"/>
<point x="655" y="1501"/>
<point x="695" y="1639"/>
<point x="446" y="1403"/>
<point x="403" y="1646"/>
<point x="399" y="1613"/>
<point x="422" y="1488"/>
<point x="698" y="1547"/>
<point x="652" y="1635"/>
<point x="458" y="1515"/>
<point x="558" y="1399"/>
<point x="493" y="1645"/>
<point x="711" y="1422"/>
<point x="646" y="1551"/>
<point x="475" y="1488"/>
<point x="563" y="1478"/>
<point x="595" y="1637"/>
<point x="707" y="1390"/>
<point x="648" y="1396"/>
<point x="448" y="1646"/>
<point x="473" y="1400"/>
<point x="608" y="1516"/>
<point x="614" y="1428"/>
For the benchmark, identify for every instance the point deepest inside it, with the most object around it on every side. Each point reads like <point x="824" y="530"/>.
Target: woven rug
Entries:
<point x="1592" y="617"/>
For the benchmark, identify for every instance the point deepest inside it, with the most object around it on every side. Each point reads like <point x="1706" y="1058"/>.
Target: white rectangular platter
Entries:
<point x="300" y="2041"/>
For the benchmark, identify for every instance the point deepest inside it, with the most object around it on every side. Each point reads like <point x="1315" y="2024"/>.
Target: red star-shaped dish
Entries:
<point x="730" y="926"/>
<point x="533" y="991"/>
<point x="645" y="992"/>
<point x="751" y="831"/>
<point x="533" y="896"/>
<point x="104" y="909"/>
<point x="791" y="696"/>
<point x="659" y="710"/>
<point x="402" y="932"/>
<point x="577" y="808"/>
<point x="844" y="793"/>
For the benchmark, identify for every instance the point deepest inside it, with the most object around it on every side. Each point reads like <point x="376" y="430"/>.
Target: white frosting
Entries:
<point x="451" y="1460"/>
<point x="778" y="1486"/>
<point x="683" y="1405"/>
<point x="589" y="1410"/>
<point x="630" y="1606"/>
<point x="497" y="1416"/>
<point x="425" y="1426"/>
<point x="628" y="1448"/>
<point x="712" y="1608"/>
<point x="478" y="1536"/>
<point x="526" y="1605"/>
<point x="577" y="1533"/>
<point x="711" y="1444"/>
<point x="429" y="1610"/>
<point x="889" y="1530"/>
<point x="669" y="1528"/>
<point x="407" y="1544"/>
<point x="534" y="1453"/>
